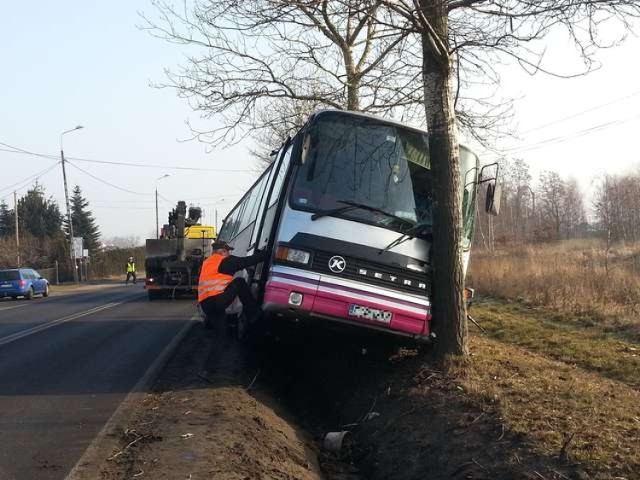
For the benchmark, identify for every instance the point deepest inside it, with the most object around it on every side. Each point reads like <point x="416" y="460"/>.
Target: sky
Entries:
<point x="87" y="63"/>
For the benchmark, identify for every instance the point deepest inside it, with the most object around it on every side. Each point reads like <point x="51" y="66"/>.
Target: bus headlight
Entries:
<point x="293" y="255"/>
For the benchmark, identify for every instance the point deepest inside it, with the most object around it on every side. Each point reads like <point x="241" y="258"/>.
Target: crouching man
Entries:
<point x="217" y="289"/>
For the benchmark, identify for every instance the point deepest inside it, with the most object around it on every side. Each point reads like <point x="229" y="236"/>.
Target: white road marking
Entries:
<point x="38" y="328"/>
<point x="20" y="305"/>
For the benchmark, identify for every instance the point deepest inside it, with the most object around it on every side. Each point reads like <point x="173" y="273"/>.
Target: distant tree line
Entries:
<point x="553" y="208"/>
<point x="617" y="206"/>
<point x="44" y="234"/>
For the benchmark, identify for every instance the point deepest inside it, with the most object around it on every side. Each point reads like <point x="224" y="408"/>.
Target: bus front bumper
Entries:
<point x="303" y="295"/>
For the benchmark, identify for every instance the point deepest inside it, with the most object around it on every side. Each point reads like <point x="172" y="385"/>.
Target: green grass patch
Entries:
<point x="570" y="414"/>
<point x="588" y="348"/>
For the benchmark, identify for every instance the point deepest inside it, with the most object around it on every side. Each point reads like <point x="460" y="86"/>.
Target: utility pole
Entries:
<point x="71" y="236"/>
<point x="157" y="220"/>
<point x="66" y="198"/>
<point x="15" y="203"/>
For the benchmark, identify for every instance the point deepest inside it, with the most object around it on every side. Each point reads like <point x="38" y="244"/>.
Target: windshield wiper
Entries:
<point x="333" y="211"/>
<point x="349" y="205"/>
<point x="413" y="232"/>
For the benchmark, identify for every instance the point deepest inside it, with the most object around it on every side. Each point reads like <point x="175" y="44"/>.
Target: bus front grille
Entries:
<point x="374" y="273"/>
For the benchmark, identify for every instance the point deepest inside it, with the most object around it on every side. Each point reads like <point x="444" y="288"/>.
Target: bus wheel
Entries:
<point x="247" y="332"/>
<point x="154" y="295"/>
<point x="242" y="328"/>
<point x="250" y="332"/>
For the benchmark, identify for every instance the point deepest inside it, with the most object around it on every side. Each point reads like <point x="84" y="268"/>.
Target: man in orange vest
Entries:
<point x="217" y="288"/>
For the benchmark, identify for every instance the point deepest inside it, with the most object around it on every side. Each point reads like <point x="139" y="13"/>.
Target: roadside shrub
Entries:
<point x="112" y="262"/>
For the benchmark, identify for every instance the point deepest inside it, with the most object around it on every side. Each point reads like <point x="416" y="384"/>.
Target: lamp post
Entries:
<point x="66" y="198"/>
<point x="15" y="203"/>
<point x="157" y="220"/>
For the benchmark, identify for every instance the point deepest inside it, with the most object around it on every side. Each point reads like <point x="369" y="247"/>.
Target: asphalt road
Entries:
<point x="66" y="363"/>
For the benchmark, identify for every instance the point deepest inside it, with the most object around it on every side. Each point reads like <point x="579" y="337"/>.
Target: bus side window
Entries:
<point x="232" y="222"/>
<point x="222" y="234"/>
<point x="242" y="240"/>
<point x="262" y="203"/>
<point x="275" y="196"/>
<point x="248" y="215"/>
<point x="279" y="181"/>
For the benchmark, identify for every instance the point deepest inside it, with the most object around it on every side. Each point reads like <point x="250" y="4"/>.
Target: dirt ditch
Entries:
<point x="262" y="413"/>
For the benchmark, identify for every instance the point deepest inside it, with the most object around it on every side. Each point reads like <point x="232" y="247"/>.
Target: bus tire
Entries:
<point x="153" y="295"/>
<point x="250" y="333"/>
<point x="242" y="328"/>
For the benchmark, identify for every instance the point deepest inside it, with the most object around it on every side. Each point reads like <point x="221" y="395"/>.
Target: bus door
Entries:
<point x="267" y="216"/>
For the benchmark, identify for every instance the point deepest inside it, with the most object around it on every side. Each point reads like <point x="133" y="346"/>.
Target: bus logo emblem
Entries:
<point x="337" y="264"/>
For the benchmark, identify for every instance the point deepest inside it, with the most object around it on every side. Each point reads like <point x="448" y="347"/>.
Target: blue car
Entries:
<point x="22" y="282"/>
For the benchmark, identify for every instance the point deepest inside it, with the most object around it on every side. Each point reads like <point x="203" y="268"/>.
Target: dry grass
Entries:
<point x="562" y="363"/>
<point x="562" y="411"/>
<point x="577" y="279"/>
<point x="589" y="348"/>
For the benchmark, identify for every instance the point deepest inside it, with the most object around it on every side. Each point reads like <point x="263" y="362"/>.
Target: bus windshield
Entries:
<point x="356" y="160"/>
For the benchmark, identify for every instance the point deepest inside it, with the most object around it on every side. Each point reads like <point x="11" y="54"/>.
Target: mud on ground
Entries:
<point x="189" y="427"/>
<point x="409" y="418"/>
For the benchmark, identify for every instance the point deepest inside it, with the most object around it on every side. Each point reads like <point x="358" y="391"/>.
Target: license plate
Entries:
<point x="369" y="313"/>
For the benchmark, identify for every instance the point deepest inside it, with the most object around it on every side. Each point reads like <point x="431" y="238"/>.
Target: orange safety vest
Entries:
<point x="211" y="281"/>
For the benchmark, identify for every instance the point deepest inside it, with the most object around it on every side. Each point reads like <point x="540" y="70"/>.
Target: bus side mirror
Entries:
<point x="494" y="194"/>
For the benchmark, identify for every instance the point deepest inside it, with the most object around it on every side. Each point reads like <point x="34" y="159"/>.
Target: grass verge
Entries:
<point x="589" y="348"/>
<point x="563" y="412"/>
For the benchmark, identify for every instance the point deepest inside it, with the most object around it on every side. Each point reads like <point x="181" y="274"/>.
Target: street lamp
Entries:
<point x="157" y="220"/>
<point x="66" y="198"/>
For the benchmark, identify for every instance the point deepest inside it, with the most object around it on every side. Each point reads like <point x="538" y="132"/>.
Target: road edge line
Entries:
<point x="88" y="465"/>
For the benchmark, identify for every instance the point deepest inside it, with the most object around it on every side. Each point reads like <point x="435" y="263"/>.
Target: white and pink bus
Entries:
<point x="346" y="212"/>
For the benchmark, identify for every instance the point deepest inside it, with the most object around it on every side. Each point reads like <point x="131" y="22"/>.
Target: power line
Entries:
<point x="164" y="198"/>
<point x="107" y="183"/>
<point x="218" y="198"/>
<point x="29" y="179"/>
<point x="15" y="149"/>
<point x="583" y="112"/>
<point x="112" y="202"/>
<point x="111" y="207"/>
<point x="149" y="165"/>
<point x="31" y="154"/>
<point x="570" y="136"/>
<point x="124" y="203"/>
<point x="21" y="151"/>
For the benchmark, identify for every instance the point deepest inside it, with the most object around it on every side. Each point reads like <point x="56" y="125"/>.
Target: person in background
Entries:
<point x="217" y="289"/>
<point x="131" y="270"/>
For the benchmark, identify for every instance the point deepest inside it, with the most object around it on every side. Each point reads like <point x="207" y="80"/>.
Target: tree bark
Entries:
<point x="353" y="80"/>
<point x="448" y="306"/>
<point x="353" y="94"/>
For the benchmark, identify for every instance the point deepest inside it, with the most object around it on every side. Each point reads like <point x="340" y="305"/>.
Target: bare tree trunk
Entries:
<point x="353" y="81"/>
<point x="449" y="313"/>
<point x="353" y="97"/>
